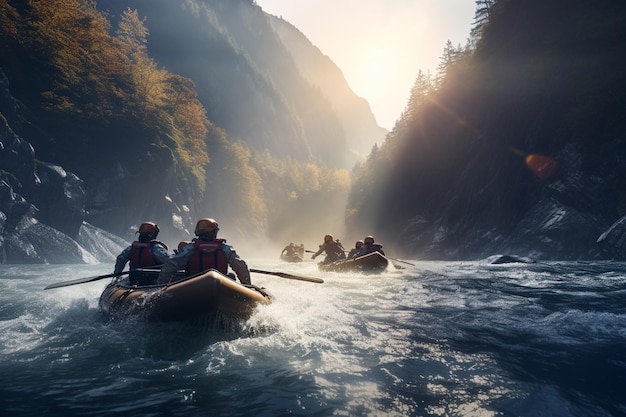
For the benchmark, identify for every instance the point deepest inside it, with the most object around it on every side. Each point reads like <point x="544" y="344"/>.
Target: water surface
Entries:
<point x="434" y="339"/>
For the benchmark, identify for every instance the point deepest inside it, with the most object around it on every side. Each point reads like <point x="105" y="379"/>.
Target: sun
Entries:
<point x="378" y="67"/>
<point x="375" y="66"/>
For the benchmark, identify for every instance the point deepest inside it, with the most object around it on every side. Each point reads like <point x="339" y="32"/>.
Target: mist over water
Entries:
<point x="437" y="339"/>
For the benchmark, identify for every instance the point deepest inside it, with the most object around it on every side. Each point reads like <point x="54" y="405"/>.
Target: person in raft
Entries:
<point x="355" y="250"/>
<point x="203" y="253"/>
<point x="293" y="250"/>
<point x="333" y="248"/>
<point x="369" y="246"/>
<point x="145" y="252"/>
<point x="181" y="245"/>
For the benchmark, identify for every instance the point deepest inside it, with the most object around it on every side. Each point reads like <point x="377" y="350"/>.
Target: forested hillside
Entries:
<point x="517" y="145"/>
<point x="169" y="113"/>
<point x="92" y="99"/>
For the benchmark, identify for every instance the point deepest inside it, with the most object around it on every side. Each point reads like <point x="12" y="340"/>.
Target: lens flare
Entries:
<point x="542" y="166"/>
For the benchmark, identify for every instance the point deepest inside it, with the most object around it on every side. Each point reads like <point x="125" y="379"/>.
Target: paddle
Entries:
<point x="398" y="260"/>
<point x="96" y="278"/>
<point x="289" y="276"/>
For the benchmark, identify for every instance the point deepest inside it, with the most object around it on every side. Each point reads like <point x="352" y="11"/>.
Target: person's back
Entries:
<point x="203" y="253"/>
<point x="145" y="252"/>
<point x="354" y="251"/>
<point x="207" y="254"/>
<point x="290" y="250"/>
<point x="333" y="249"/>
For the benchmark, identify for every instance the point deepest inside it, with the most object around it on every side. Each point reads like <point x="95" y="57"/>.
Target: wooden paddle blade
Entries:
<point x="289" y="276"/>
<point x="78" y="281"/>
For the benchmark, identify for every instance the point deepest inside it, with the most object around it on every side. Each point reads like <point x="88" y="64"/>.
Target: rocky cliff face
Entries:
<point x="567" y="220"/>
<point x="42" y="206"/>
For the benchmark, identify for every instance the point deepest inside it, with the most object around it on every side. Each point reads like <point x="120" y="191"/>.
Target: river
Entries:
<point x="429" y="339"/>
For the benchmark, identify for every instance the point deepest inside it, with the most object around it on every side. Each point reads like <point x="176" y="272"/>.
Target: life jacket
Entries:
<point x="373" y="247"/>
<point x="141" y="257"/>
<point x="141" y="254"/>
<point x="207" y="255"/>
<point x="334" y="251"/>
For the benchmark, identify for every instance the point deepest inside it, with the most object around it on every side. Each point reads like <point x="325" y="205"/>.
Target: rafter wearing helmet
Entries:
<point x="205" y="252"/>
<point x="145" y="252"/>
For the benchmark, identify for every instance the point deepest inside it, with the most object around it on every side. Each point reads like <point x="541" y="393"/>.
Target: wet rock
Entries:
<point x="508" y="259"/>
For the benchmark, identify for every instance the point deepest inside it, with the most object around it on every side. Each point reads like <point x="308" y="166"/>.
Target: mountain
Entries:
<point x="168" y="111"/>
<point x="354" y="112"/>
<point x="244" y="76"/>
<point x="163" y="111"/>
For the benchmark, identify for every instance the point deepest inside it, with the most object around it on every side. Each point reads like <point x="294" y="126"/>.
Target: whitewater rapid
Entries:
<point x="434" y="339"/>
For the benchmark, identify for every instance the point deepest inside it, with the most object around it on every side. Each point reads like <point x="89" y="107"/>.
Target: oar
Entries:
<point x="80" y="281"/>
<point x="398" y="260"/>
<point x="289" y="276"/>
<point x="96" y="278"/>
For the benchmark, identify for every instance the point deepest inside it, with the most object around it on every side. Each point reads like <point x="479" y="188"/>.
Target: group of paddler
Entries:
<point x="151" y="263"/>
<point x="336" y="253"/>
<point x="205" y="251"/>
<point x="333" y="249"/>
<point x="195" y="276"/>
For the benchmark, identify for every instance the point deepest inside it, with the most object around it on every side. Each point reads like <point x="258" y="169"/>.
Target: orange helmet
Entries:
<point x="206" y="226"/>
<point x="328" y="238"/>
<point x="369" y="239"/>
<point x="182" y="244"/>
<point x="148" y="228"/>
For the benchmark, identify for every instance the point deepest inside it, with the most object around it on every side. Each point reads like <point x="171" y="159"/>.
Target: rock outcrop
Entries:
<point x="42" y="206"/>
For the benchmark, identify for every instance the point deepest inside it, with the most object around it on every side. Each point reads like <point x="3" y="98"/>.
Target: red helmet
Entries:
<point x="182" y="244"/>
<point x="206" y="226"/>
<point x="148" y="228"/>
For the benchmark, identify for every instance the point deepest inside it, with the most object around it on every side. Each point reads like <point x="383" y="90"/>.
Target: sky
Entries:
<point x="380" y="45"/>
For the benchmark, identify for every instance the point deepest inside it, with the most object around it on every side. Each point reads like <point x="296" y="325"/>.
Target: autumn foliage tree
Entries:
<point x="98" y="88"/>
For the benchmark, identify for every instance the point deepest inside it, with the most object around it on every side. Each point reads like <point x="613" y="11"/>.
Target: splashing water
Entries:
<point x="438" y="339"/>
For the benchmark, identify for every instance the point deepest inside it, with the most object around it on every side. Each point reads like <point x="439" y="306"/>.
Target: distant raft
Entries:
<point x="291" y="258"/>
<point x="293" y="253"/>
<point x="372" y="263"/>
<point x="192" y="297"/>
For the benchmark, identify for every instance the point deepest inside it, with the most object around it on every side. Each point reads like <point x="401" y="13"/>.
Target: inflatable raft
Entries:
<point x="291" y="258"/>
<point x="372" y="263"/>
<point x="189" y="298"/>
